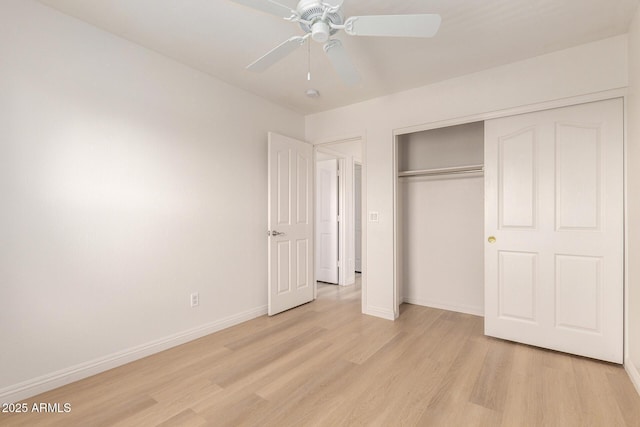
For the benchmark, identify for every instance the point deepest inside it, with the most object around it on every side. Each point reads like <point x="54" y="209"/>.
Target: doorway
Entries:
<point x="348" y="192"/>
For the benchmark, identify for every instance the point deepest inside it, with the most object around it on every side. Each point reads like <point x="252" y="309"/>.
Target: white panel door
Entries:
<point x="290" y="220"/>
<point x="327" y="221"/>
<point x="554" y="212"/>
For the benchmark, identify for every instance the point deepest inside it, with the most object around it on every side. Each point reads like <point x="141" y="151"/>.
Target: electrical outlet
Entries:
<point x="195" y="299"/>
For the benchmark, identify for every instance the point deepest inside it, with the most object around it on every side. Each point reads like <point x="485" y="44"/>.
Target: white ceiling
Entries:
<point x="220" y="37"/>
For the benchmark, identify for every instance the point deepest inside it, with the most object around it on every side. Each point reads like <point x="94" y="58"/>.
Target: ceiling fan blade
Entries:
<point x="341" y="62"/>
<point x="425" y="25"/>
<point x="268" y="6"/>
<point x="276" y="54"/>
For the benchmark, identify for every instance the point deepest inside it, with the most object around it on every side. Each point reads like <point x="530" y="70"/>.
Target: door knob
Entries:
<point x="274" y="233"/>
<point x="491" y="239"/>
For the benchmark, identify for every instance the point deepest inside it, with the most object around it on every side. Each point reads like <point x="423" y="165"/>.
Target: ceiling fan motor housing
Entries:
<point x="312" y="11"/>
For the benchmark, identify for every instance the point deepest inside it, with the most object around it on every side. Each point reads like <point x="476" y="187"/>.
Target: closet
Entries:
<point x="441" y="217"/>
<point x="520" y="219"/>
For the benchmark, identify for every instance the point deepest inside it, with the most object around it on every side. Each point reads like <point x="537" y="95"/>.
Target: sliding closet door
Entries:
<point x="554" y="229"/>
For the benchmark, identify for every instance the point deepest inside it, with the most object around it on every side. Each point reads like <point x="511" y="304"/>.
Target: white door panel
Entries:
<point x="327" y="214"/>
<point x="578" y="177"/>
<point x="517" y="201"/>
<point x="289" y="214"/>
<point x="554" y="203"/>
<point x="517" y="283"/>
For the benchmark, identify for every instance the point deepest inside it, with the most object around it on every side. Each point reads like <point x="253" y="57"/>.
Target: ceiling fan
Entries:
<point x="321" y="19"/>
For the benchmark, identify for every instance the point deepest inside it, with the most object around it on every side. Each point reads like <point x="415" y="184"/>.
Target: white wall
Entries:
<point x="442" y="223"/>
<point x="127" y="182"/>
<point x="633" y="204"/>
<point x="352" y="148"/>
<point x="585" y="69"/>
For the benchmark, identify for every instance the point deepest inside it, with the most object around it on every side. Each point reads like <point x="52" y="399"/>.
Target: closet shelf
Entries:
<point x="443" y="171"/>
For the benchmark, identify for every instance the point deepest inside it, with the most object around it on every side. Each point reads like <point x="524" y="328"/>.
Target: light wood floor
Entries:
<point x="326" y="364"/>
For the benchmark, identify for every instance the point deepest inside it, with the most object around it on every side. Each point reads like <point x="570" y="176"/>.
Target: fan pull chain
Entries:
<point x="308" y="60"/>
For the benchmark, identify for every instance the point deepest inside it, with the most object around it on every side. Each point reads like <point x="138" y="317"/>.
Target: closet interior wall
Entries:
<point x="441" y="218"/>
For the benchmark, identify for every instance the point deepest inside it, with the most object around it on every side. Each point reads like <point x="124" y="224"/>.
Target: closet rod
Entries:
<point x="443" y="171"/>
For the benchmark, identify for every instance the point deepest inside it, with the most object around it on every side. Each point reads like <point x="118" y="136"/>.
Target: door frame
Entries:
<point x="328" y="147"/>
<point x="548" y="105"/>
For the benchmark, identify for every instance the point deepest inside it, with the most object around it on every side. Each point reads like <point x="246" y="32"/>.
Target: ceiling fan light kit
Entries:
<point x="312" y="93"/>
<point x="320" y="31"/>
<point x="320" y="20"/>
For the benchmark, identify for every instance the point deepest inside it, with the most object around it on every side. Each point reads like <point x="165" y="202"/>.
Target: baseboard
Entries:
<point x="633" y="372"/>
<point x="62" y="377"/>
<point x="379" y="312"/>
<point x="476" y="311"/>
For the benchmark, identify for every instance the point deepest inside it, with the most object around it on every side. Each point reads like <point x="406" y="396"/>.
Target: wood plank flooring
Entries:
<point x="325" y="364"/>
